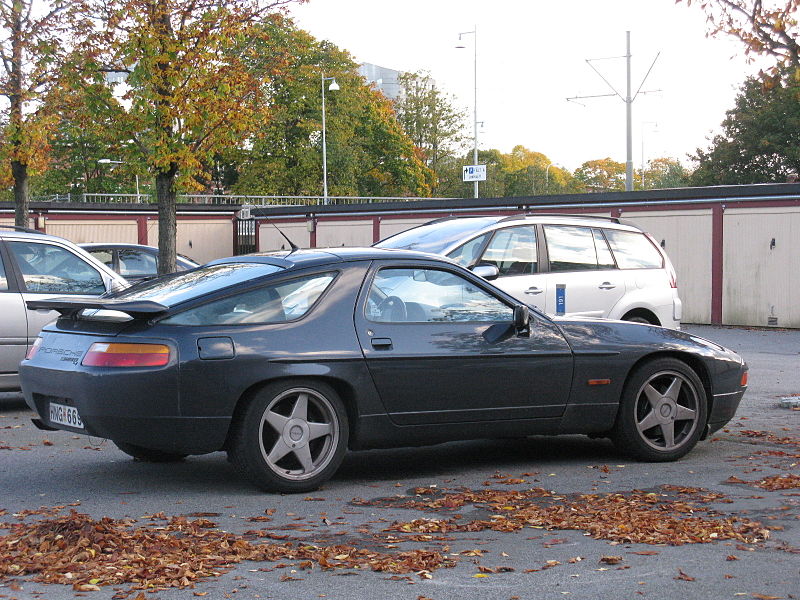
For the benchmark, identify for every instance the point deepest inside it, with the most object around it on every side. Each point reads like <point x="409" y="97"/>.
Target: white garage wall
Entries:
<point x="202" y="240"/>
<point x="687" y="240"/>
<point x="761" y="283"/>
<point x="83" y="231"/>
<point x="344" y="233"/>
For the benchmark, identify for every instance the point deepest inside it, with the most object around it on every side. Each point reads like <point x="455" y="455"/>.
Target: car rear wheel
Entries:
<point x="291" y="437"/>
<point x="148" y="454"/>
<point x="662" y="411"/>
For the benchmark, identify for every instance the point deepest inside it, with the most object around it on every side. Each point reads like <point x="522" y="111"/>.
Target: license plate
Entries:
<point x="65" y="415"/>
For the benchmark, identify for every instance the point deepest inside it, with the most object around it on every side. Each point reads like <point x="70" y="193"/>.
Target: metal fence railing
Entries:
<point x="100" y="198"/>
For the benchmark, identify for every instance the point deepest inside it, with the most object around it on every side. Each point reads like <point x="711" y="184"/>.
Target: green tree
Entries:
<point x="368" y="152"/>
<point x="663" y="173"/>
<point x="429" y="117"/>
<point x="760" y="139"/>
<point x="187" y="95"/>
<point x="602" y="175"/>
<point x="32" y="42"/>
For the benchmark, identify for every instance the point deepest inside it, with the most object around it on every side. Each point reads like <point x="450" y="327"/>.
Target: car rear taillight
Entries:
<point x="126" y="355"/>
<point x="744" y="379"/>
<point x="34" y="348"/>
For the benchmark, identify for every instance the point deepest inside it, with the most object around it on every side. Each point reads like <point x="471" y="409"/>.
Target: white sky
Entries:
<point x="531" y="57"/>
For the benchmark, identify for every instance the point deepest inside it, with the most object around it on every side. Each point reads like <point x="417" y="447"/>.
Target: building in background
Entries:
<point x="386" y="80"/>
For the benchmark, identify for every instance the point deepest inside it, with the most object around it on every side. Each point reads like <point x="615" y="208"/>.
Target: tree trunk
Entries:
<point x="167" y="220"/>
<point x="20" y="173"/>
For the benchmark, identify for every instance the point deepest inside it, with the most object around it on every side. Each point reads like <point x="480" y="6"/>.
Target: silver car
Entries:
<point x="570" y="265"/>
<point x="36" y="266"/>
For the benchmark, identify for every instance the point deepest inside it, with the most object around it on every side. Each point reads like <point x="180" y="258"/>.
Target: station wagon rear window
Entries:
<point x="184" y="286"/>
<point x="633" y="250"/>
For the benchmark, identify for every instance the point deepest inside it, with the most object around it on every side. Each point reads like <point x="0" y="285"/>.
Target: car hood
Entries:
<point x="587" y="334"/>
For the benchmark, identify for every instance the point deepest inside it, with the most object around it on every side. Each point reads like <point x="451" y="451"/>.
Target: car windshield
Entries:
<point x="435" y="238"/>
<point x="173" y="290"/>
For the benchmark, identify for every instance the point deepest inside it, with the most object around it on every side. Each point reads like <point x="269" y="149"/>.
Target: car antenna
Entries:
<point x="292" y="245"/>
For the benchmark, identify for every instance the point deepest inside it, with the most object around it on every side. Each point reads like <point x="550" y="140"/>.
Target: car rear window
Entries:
<point x="276" y="303"/>
<point x="633" y="250"/>
<point x="436" y="237"/>
<point x="170" y="291"/>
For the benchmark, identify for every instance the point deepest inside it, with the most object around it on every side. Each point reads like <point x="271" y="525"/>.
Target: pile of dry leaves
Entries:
<point x="638" y="517"/>
<point x="86" y="553"/>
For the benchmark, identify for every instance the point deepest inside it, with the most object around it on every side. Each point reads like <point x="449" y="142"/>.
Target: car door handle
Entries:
<point x="606" y="285"/>
<point x="381" y="343"/>
<point x="532" y="291"/>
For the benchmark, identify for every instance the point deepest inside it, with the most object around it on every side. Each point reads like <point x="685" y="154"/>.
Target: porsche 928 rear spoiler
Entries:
<point x="69" y="306"/>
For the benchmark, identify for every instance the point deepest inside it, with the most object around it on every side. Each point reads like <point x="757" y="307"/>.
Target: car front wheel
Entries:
<point x="291" y="437"/>
<point x="662" y="411"/>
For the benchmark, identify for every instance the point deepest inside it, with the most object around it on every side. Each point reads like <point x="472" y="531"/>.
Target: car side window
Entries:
<point x="135" y="263"/>
<point x="605" y="260"/>
<point x="277" y="303"/>
<point x="633" y="250"/>
<point x="467" y="254"/>
<point x="52" y="269"/>
<point x="430" y="296"/>
<point x="513" y="251"/>
<point x="3" y="280"/>
<point x="104" y="256"/>
<point x="570" y="248"/>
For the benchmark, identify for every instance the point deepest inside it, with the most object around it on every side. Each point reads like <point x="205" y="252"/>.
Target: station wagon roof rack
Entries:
<point x="22" y="229"/>
<point x="573" y="216"/>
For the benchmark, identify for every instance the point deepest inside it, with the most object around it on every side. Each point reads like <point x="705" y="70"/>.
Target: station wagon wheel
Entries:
<point x="662" y="411"/>
<point x="291" y="437"/>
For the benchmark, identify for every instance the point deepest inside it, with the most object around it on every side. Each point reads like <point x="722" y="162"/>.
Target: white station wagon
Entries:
<point x="560" y="264"/>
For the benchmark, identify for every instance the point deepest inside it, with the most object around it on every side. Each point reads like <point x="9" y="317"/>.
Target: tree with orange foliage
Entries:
<point x="767" y="28"/>
<point x="182" y="90"/>
<point x="33" y="37"/>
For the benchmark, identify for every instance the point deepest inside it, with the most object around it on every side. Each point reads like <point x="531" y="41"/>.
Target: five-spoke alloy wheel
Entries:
<point x="662" y="412"/>
<point x="291" y="437"/>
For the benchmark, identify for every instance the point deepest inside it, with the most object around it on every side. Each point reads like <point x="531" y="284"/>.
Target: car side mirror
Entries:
<point x="522" y="318"/>
<point x="488" y="272"/>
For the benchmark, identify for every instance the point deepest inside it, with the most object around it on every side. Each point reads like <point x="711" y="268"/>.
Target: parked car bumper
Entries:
<point x="123" y="407"/>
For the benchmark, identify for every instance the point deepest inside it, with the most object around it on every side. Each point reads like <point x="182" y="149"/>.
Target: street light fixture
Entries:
<point x="108" y="161"/>
<point x="654" y="130"/>
<point x="474" y="34"/>
<point x="332" y="87"/>
<point x="547" y="176"/>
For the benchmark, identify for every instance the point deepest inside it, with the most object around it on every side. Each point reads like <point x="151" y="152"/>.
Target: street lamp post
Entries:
<point x="332" y="87"/>
<point x="108" y="161"/>
<point x="655" y="124"/>
<point x="474" y="34"/>
<point x="547" y="177"/>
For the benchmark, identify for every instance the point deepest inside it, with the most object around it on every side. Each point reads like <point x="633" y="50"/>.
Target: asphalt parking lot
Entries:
<point x="523" y="518"/>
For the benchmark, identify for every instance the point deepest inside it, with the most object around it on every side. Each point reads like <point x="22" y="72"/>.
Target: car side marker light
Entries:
<point x="598" y="381"/>
<point x="126" y="355"/>
<point x="744" y="379"/>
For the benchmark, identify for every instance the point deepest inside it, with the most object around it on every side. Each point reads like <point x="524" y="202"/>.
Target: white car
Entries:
<point x="560" y="264"/>
<point x="36" y="266"/>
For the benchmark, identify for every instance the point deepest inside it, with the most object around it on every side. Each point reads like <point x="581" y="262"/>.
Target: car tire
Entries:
<point x="662" y="411"/>
<point x="638" y="319"/>
<point x="290" y="437"/>
<point x="148" y="454"/>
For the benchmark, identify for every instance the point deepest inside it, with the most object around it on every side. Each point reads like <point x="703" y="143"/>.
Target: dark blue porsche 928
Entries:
<point x="286" y="360"/>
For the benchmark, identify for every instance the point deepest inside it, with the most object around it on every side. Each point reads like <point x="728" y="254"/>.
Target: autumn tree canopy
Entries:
<point x="368" y="152"/>
<point x="766" y="27"/>
<point x="180" y="94"/>
<point x="431" y="119"/>
<point x="33" y="39"/>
